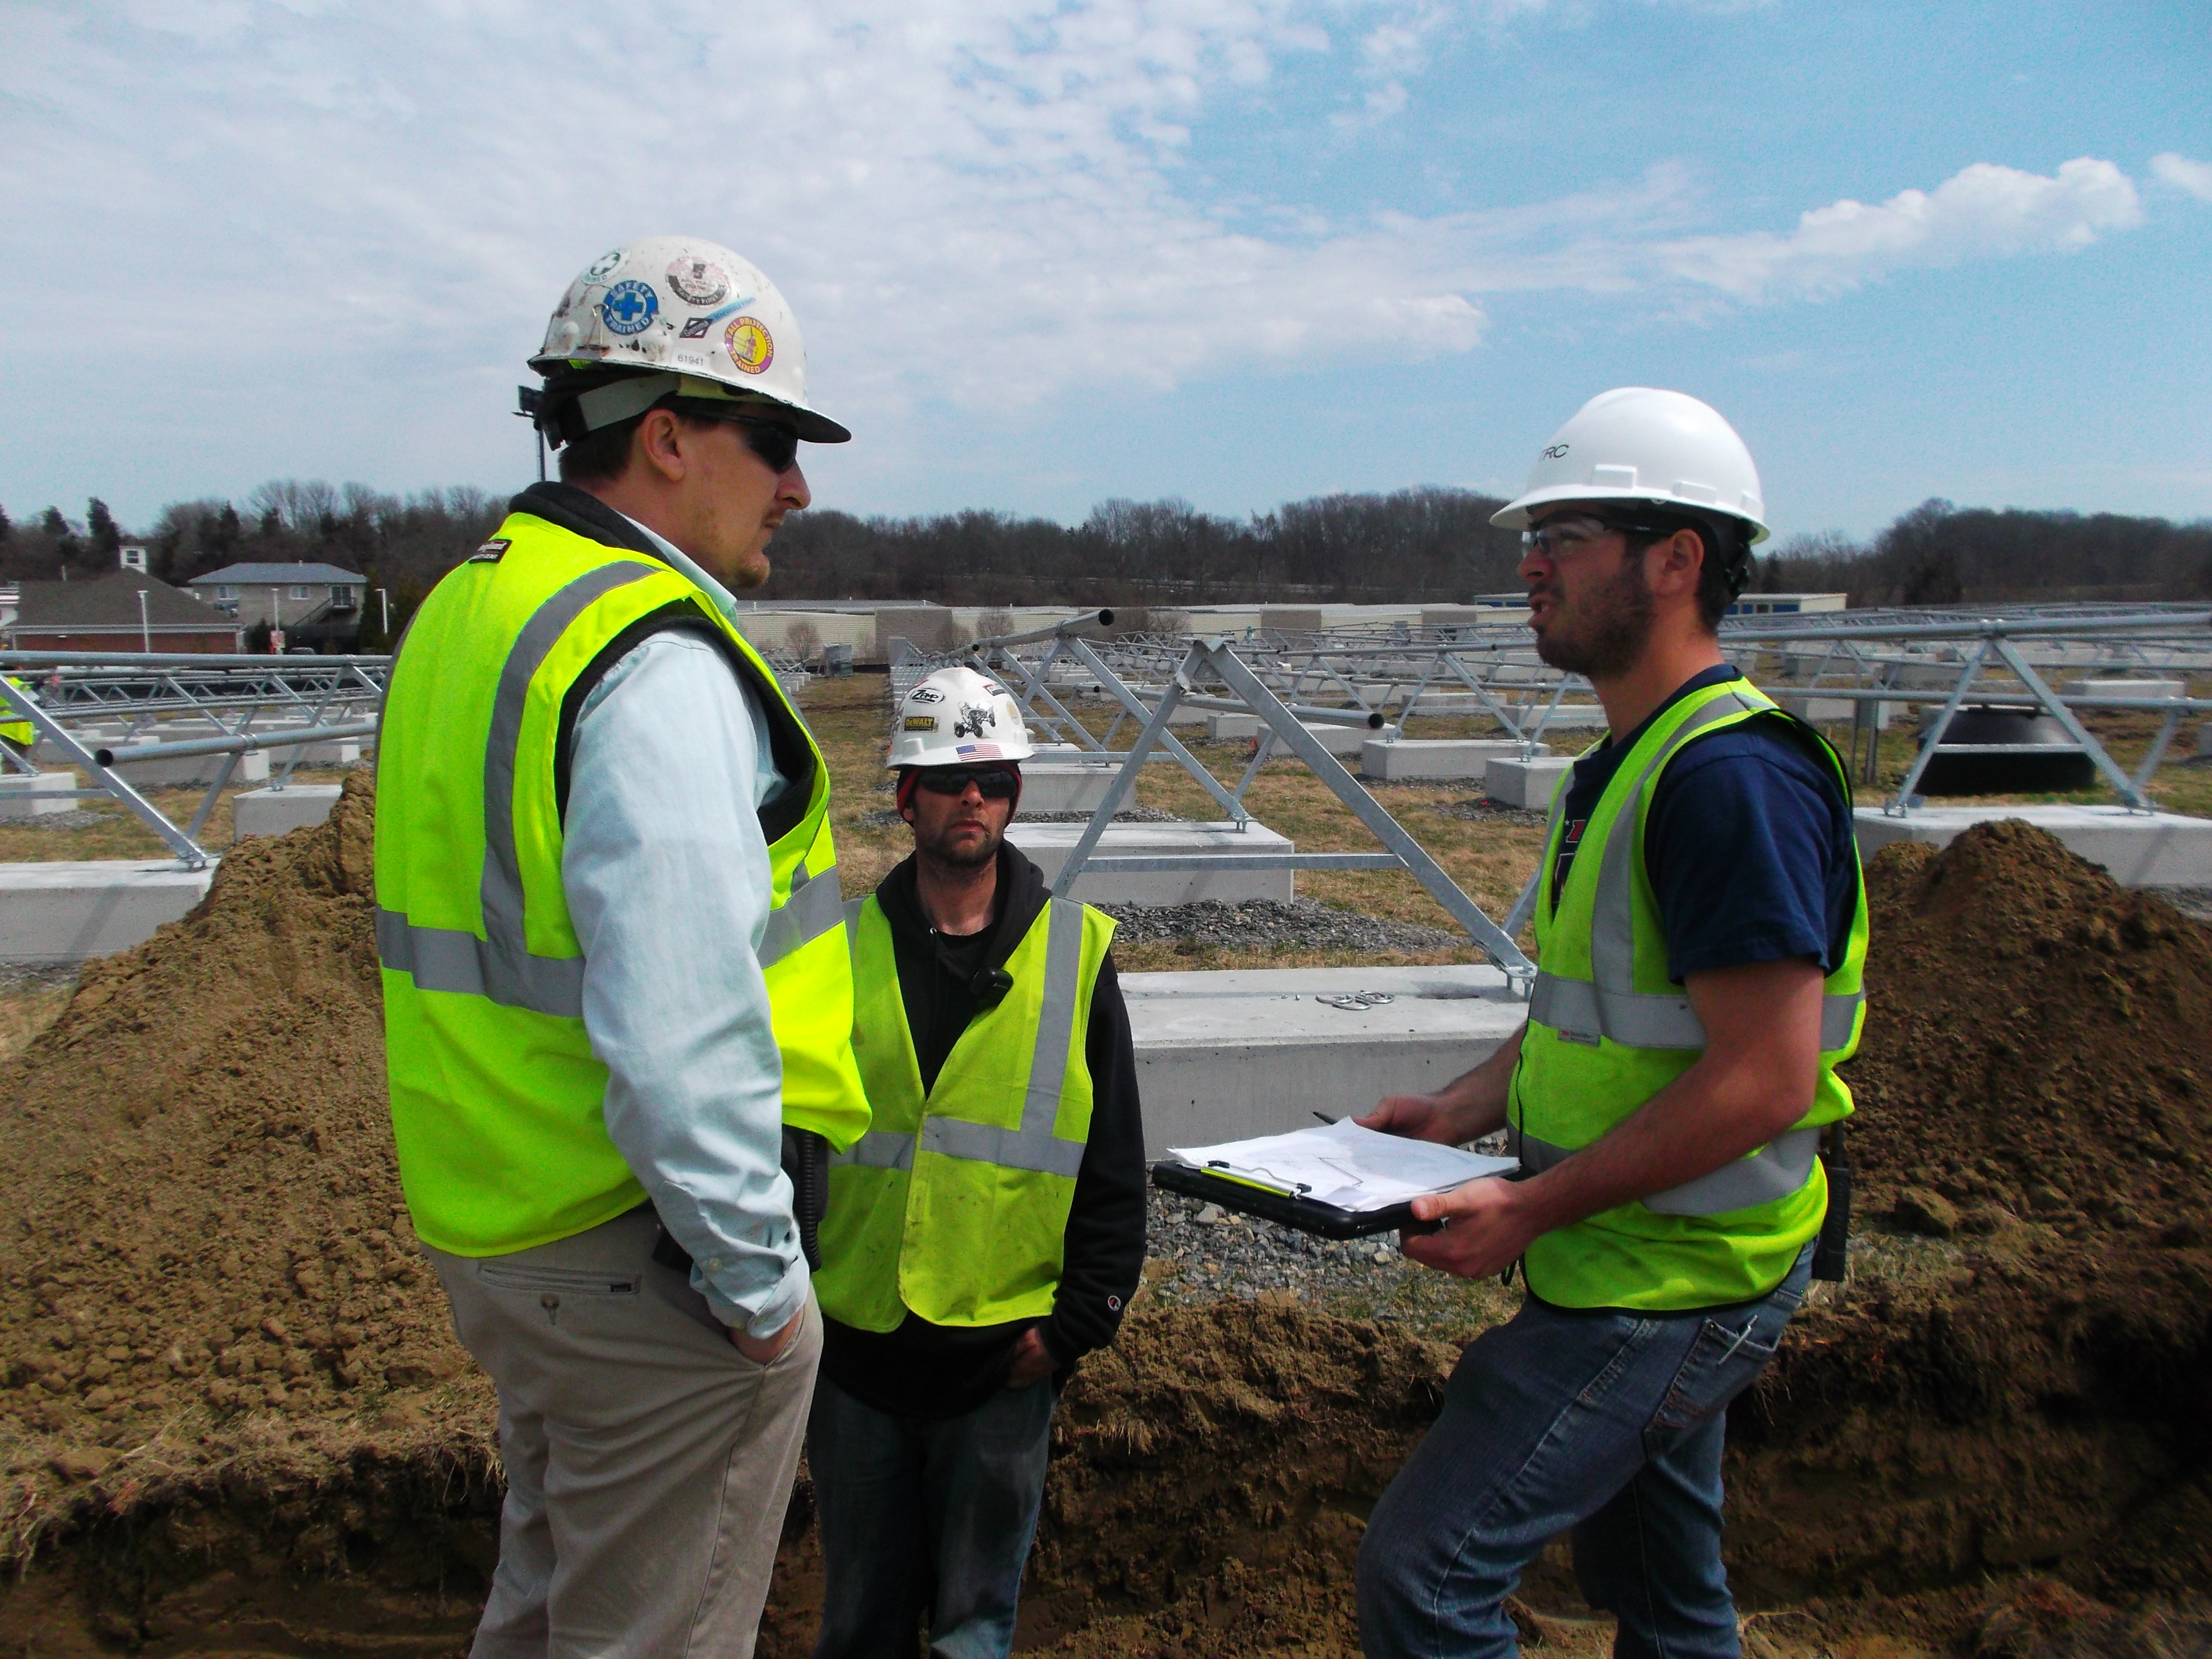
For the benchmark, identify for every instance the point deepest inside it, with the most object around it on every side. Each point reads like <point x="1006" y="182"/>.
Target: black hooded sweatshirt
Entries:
<point x="922" y="1370"/>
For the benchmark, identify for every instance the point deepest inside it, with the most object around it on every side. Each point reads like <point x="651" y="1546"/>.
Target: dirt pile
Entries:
<point x="208" y="1250"/>
<point x="232" y="1402"/>
<point x="2035" y="1043"/>
<point x="2028" y="1386"/>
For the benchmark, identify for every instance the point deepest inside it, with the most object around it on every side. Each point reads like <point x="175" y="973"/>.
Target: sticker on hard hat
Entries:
<point x="605" y="265"/>
<point x="751" y="348"/>
<point x="629" y="307"/>
<point x="1556" y="452"/>
<point x="919" y="723"/>
<point x="694" y="328"/>
<point x="925" y="694"/>
<point x="979" y="750"/>
<point x="974" y="717"/>
<point x="697" y="282"/>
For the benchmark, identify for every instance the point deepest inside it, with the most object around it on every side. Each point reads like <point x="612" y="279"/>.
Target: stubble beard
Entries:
<point x="940" y="850"/>
<point x="1614" y="630"/>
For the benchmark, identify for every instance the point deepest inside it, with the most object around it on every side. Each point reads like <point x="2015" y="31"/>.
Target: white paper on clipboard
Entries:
<point x="1345" y="1165"/>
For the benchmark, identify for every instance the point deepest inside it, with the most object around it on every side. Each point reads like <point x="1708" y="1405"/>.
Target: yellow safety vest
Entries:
<point x="16" y="731"/>
<point x="498" y="1102"/>
<point x="1608" y="1031"/>
<point x="955" y="1204"/>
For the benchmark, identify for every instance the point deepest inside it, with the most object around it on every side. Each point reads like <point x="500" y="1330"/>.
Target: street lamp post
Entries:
<point x="384" y="602"/>
<point x="145" y="628"/>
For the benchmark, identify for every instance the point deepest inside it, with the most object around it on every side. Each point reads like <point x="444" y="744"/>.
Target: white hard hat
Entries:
<point x="1637" y="444"/>
<point x="957" y="717"/>
<point x="673" y="315"/>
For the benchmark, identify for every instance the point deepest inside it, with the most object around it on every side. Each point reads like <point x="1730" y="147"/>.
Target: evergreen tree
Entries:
<point x="101" y="529"/>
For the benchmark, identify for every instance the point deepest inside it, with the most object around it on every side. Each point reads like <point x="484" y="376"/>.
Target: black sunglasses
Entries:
<point x="994" y="782"/>
<point x="777" y="444"/>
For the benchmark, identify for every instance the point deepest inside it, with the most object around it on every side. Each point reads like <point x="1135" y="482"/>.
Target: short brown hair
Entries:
<point x="603" y="456"/>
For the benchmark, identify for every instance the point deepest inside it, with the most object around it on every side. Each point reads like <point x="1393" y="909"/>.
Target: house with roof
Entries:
<point x="317" y="605"/>
<point x="124" y="611"/>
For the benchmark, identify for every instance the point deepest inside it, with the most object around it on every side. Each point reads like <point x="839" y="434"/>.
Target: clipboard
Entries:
<point x="1326" y="1220"/>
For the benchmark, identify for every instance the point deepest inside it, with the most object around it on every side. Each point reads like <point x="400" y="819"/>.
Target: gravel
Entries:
<point x="77" y="818"/>
<point x="1197" y="1251"/>
<point x="2192" y="902"/>
<point x="1303" y="923"/>
<point x="1484" y="810"/>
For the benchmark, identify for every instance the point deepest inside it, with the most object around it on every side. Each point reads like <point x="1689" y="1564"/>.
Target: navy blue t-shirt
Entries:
<point x="1748" y="844"/>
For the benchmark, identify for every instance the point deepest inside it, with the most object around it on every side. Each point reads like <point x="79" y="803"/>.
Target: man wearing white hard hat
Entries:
<point x="617" y="995"/>
<point x="1702" y="926"/>
<point x="989" y="1228"/>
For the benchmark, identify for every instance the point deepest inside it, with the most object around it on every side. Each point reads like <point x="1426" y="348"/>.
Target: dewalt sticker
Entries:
<point x="921" y="723"/>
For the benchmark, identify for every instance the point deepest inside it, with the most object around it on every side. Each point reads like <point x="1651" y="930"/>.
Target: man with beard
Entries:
<point x="1702" y="926"/>
<point x="989" y="1229"/>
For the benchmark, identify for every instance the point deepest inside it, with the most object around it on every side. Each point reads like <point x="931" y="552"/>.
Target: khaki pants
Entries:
<point x="648" y="1463"/>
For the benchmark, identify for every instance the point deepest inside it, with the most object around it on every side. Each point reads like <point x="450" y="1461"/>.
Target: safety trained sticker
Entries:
<point x="629" y="307"/>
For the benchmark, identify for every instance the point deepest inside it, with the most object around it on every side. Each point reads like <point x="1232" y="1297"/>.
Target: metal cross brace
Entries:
<point x="1209" y="660"/>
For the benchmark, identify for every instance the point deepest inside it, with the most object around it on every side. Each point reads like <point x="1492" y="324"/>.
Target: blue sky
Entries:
<point x="1237" y="251"/>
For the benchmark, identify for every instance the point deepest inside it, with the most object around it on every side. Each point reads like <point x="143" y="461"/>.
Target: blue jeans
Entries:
<point x="1611" y="1425"/>
<point x="919" y="1515"/>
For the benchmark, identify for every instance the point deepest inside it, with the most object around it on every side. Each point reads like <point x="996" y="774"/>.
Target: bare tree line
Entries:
<point x="1424" y="545"/>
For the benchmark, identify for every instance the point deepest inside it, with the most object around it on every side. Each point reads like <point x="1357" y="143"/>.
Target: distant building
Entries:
<point x="132" y="557"/>
<point x="316" y="604"/>
<point x="107" y="615"/>
<point x="1786" y="604"/>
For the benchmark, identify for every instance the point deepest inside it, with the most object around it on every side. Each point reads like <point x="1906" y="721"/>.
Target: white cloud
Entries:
<point x="2194" y="177"/>
<point x="356" y="218"/>
<point x="1983" y="211"/>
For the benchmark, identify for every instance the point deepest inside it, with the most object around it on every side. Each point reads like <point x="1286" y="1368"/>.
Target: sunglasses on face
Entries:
<point x="994" y="782"/>
<point x="1563" y="538"/>
<point x="775" y="444"/>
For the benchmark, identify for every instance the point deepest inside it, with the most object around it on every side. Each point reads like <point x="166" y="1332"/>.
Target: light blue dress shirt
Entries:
<point x="666" y="873"/>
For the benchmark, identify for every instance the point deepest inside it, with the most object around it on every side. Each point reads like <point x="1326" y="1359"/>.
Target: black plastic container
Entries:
<point x="2057" y="766"/>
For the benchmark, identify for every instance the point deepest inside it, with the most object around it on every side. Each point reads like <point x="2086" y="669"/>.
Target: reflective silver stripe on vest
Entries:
<point x="879" y="1149"/>
<point x="815" y="905"/>
<point x="1608" y="1004"/>
<point x="1774" y="1171"/>
<point x="499" y="966"/>
<point x="1581" y="1012"/>
<point x="447" y="959"/>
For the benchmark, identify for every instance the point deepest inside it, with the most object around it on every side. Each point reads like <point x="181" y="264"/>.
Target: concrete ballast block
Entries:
<point x="1442" y="758"/>
<point x="1231" y="728"/>
<point x="1047" y="845"/>
<point x="22" y="797"/>
<point x="1048" y="787"/>
<point x="1529" y="783"/>
<point x="1224" y="1055"/>
<point x="2139" y="849"/>
<point x="2122" y="689"/>
<point x="69" y="912"/>
<point x="276" y="811"/>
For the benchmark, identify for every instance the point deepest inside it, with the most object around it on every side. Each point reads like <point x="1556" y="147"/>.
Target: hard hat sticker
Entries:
<point x="750" y="348"/>
<point x="694" y="328"/>
<point x="925" y="694"/>
<point x="979" y="750"/>
<point x="629" y="307"/>
<point x="603" y="265"/>
<point x="974" y="717"/>
<point x="698" y="282"/>
<point x="919" y="723"/>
